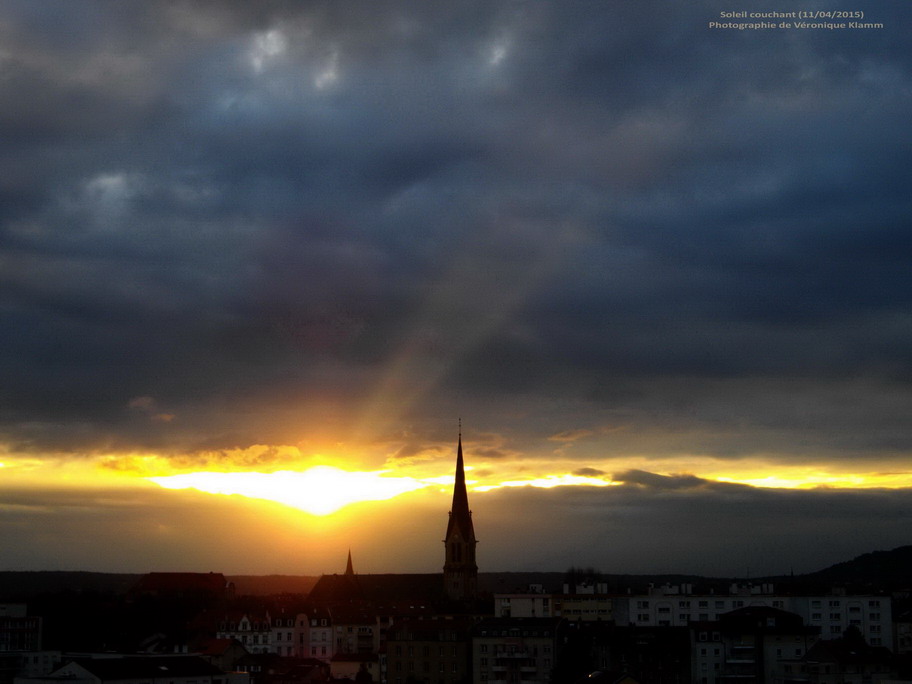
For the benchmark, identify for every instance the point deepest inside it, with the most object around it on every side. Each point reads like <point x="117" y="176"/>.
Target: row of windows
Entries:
<point x="683" y="617"/>
<point x="836" y="603"/>
<point x="243" y="626"/>
<point x="425" y="666"/>
<point x="776" y="603"/>
<point x="873" y="617"/>
<point x="425" y="651"/>
<point x="264" y="638"/>
<point x="665" y="606"/>
<point x="513" y="648"/>
<point x="515" y="632"/>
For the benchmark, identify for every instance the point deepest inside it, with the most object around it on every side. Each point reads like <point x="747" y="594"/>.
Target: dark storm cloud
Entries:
<point x="234" y="207"/>
<point x="145" y="529"/>
<point x="652" y="481"/>
<point x="718" y="530"/>
<point x="710" y="530"/>
<point x="589" y="472"/>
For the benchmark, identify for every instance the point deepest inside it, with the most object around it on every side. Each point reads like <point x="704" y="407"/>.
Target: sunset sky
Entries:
<point x="257" y="259"/>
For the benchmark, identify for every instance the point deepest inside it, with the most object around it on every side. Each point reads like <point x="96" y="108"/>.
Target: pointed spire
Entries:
<point x="349" y="568"/>
<point x="460" y="573"/>
<point x="460" y="497"/>
<point x="459" y="512"/>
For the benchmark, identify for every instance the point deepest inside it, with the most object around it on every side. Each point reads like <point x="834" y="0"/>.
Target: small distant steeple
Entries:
<point x="460" y="573"/>
<point x="349" y="568"/>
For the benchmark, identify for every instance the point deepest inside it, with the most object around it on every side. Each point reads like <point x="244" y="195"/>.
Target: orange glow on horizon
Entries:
<point x="320" y="490"/>
<point x="323" y="490"/>
<point x="322" y="484"/>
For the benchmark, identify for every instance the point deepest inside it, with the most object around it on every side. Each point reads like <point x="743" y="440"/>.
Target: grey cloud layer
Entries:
<point x="250" y="211"/>
<point x="650" y="524"/>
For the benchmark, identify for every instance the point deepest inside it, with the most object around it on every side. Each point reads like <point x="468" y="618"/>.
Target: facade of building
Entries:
<point x="253" y="631"/>
<point x="750" y="644"/>
<point x="870" y="615"/>
<point x="847" y="660"/>
<point x="429" y="652"/>
<point x="20" y="635"/>
<point x="315" y="636"/>
<point x="524" y="605"/>
<point x="514" y="650"/>
<point x="572" y="607"/>
<point x="285" y="634"/>
<point x="355" y="630"/>
<point x="657" y="655"/>
<point x="19" y="631"/>
<point x="670" y="607"/>
<point x="902" y="633"/>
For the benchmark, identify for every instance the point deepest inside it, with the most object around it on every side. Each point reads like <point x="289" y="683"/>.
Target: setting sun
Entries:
<point x="320" y="490"/>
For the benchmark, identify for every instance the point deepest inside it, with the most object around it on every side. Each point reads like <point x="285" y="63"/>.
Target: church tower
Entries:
<point x="460" y="573"/>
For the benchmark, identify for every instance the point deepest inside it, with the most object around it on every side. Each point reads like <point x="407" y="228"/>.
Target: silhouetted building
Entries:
<point x="211" y="586"/>
<point x="225" y="654"/>
<point x="848" y="660"/>
<point x="678" y="606"/>
<point x="603" y="677"/>
<point x="903" y="633"/>
<point x="515" y="650"/>
<point x="429" y="652"/>
<point x="460" y="573"/>
<point x="138" y="669"/>
<point x="353" y="666"/>
<point x="751" y="645"/>
<point x="19" y="632"/>
<point x="652" y="655"/>
<point x="318" y="635"/>
<point x="355" y="630"/>
<point x="252" y="630"/>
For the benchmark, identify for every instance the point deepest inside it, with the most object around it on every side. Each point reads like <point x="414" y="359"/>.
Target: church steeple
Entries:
<point x="349" y="568"/>
<point x="460" y="573"/>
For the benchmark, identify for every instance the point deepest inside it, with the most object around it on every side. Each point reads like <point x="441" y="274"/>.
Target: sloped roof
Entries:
<point x="215" y="647"/>
<point x="337" y="589"/>
<point x="180" y="582"/>
<point x="429" y="630"/>
<point x="135" y="667"/>
<point x="352" y="615"/>
<point x="355" y="658"/>
<point x="848" y="652"/>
